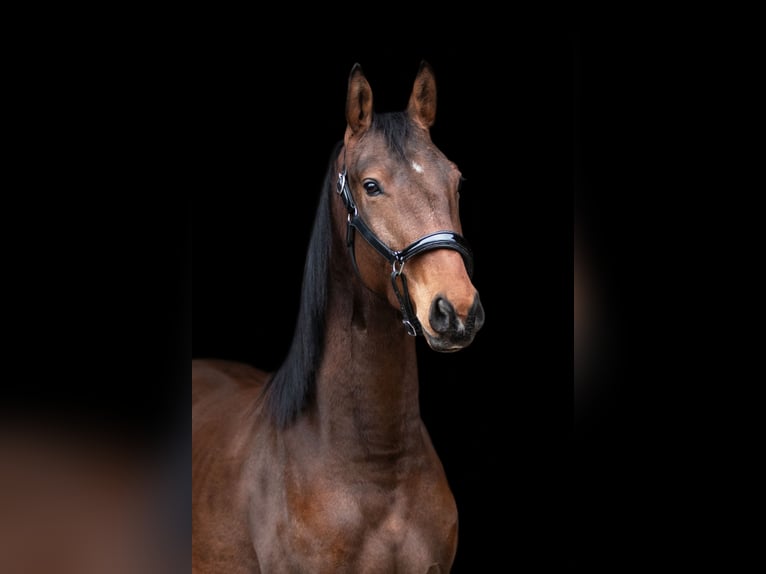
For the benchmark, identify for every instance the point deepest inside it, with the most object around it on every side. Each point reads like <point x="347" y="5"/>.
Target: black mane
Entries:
<point x="292" y="386"/>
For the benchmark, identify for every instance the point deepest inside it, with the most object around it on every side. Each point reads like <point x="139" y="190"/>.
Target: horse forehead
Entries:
<point x="427" y="170"/>
<point x="427" y="177"/>
<point x="417" y="151"/>
<point x="423" y="165"/>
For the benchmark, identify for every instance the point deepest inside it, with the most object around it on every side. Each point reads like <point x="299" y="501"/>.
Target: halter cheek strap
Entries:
<point x="397" y="259"/>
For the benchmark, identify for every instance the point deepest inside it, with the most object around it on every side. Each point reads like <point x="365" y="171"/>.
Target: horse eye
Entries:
<point x="371" y="187"/>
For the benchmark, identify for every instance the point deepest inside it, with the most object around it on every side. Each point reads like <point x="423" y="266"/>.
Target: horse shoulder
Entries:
<point x="225" y="407"/>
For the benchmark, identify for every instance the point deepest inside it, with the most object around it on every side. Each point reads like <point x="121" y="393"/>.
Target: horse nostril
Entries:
<point x="442" y="315"/>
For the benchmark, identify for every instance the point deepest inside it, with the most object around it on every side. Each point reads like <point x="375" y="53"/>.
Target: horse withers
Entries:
<point x="325" y="465"/>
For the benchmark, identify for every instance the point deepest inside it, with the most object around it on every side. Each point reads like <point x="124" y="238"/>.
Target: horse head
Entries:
<point x="402" y="194"/>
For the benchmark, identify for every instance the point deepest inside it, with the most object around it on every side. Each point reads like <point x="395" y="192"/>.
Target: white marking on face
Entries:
<point x="417" y="167"/>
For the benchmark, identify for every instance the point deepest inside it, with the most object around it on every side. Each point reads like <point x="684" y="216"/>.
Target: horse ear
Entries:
<point x="358" y="101"/>
<point x="422" y="105"/>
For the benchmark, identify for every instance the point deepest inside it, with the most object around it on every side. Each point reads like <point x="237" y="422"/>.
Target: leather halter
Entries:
<point x="438" y="240"/>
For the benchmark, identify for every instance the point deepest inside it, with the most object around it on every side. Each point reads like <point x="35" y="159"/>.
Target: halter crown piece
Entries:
<point x="438" y="240"/>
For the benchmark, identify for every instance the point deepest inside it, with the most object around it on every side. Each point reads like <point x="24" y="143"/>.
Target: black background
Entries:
<point x="652" y="142"/>
<point x="170" y="172"/>
<point x="500" y="411"/>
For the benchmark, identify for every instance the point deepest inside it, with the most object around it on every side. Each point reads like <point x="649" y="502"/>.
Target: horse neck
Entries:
<point x="367" y="384"/>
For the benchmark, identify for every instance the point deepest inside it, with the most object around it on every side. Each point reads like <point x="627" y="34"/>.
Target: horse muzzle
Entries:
<point x="449" y="330"/>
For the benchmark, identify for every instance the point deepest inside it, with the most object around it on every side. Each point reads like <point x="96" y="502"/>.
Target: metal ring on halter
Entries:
<point x="401" y="263"/>
<point x="410" y="328"/>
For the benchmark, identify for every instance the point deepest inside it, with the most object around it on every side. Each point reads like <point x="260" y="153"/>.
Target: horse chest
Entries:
<point x="336" y="526"/>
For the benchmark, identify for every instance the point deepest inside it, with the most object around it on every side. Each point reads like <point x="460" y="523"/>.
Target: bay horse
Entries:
<point x="324" y="465"/>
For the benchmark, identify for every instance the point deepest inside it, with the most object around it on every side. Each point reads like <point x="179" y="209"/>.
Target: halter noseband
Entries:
<point x="437" y="240"/>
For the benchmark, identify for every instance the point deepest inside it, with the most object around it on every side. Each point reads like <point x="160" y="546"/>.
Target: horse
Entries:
<point x="324" y="465"/>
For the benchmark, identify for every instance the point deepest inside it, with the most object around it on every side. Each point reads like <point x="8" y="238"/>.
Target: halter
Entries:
<point x="437" y="240"/>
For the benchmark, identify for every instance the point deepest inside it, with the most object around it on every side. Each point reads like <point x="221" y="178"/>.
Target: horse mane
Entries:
<point x="293" y="384"/>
